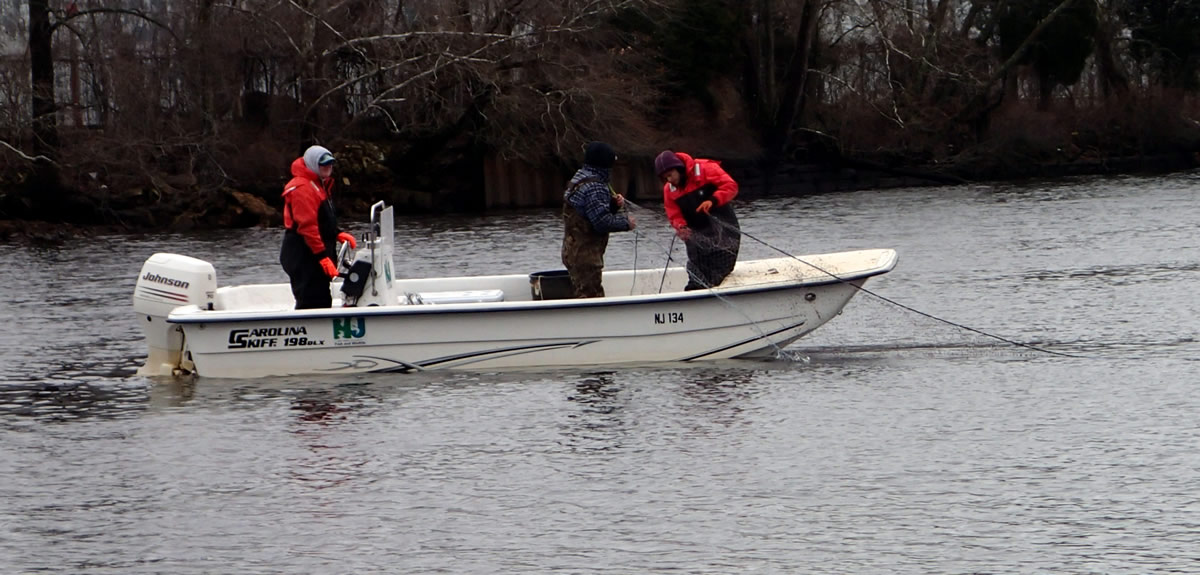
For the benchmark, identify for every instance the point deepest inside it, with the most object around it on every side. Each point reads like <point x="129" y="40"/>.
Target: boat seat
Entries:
<point x="260" y="297"/>
<point x="461" y="296"/>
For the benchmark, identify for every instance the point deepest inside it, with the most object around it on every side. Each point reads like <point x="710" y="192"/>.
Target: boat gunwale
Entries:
<point x="201" y="316"/>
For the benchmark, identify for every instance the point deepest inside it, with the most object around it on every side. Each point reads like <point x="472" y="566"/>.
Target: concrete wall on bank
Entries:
<point x="518" y="184"/>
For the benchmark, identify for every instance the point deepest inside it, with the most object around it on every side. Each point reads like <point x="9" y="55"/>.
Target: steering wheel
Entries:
<point x="344" y="256"/>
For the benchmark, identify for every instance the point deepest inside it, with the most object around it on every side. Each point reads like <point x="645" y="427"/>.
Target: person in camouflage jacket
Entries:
<point x="591" y="211"/>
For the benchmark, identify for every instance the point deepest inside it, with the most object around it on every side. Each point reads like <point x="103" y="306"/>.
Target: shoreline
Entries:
<point x="233" y="209"/>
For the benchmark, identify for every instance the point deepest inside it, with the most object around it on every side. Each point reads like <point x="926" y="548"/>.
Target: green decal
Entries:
<point x="349" y="327"/>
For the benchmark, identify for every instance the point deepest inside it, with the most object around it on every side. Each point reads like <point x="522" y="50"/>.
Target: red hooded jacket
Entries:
<point x="699" y="173"/>
<point x="303" y="197"/>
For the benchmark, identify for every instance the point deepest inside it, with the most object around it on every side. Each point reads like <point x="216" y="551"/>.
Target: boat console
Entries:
<point x="369" y="279"/>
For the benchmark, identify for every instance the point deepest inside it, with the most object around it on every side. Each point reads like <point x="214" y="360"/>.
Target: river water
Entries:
<point x="888" y="441"/>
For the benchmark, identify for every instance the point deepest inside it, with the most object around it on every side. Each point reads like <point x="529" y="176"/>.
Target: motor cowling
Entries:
<point x="168" y="281"/>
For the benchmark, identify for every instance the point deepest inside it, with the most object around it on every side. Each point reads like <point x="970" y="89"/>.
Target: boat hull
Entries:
<point x="668" y="328"/>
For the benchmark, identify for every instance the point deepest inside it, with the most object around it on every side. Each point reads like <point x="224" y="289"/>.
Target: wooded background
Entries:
<point x="108" y="106"/>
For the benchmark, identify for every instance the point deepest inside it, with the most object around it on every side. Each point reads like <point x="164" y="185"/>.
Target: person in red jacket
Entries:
<point x="698" y="196"/>
<point x="311" y="237"/>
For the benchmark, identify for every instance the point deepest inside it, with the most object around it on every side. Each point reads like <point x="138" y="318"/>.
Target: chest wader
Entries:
<point x="583" y="251"/>
<point x="310" y="285"/>
<point x="713" y="248"/>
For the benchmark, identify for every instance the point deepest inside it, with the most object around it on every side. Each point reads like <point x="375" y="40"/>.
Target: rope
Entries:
<point x="636" y="235"/>
<point x="666" y="265"/>
<point x="751" y="322"/>
<point x="914" y="310"/>
<point x="875" y="295"/>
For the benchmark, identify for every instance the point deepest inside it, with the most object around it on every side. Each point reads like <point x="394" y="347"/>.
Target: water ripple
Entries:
<point x="886" y="442"/>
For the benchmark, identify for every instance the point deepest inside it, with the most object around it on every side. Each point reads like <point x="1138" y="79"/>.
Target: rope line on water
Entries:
<point x="869" y="292"/>
<point x="912" y="309"/>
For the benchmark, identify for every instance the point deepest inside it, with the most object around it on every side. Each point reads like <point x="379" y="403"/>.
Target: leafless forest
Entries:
<point x="143" y="112"/>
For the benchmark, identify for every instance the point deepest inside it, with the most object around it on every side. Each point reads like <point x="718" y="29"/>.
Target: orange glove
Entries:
<point x="684" y="233"/>
<point x="704" y="207"/>
<point x="328" y="267"/>
<point x="345" y="237"/>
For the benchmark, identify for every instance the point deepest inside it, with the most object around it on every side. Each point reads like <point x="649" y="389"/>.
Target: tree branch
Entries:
<point x="90" y="11"/>
<point x="27" y="157"/>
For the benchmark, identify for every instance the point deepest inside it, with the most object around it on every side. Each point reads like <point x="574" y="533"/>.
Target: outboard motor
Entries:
<point x="168" y="281"/>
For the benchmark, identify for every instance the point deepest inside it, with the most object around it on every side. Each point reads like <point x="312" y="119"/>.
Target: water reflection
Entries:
<point x="717" y="388"/>
<point x="64" y="401"/>
<point x="600" y="422"/>
<point x="328" y="457"/>
<point x="718" y="397"/>
<point x="319" y="410"/>
<point x="597" y="393"/>
<point x="624" y="408"/>
<point x="171" y="392"/>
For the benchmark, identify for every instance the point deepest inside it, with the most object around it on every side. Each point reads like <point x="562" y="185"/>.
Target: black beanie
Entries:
<point x="599" y="155"/>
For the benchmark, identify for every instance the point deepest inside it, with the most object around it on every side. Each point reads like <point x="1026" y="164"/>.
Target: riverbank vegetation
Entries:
<point x="148" y="114"/>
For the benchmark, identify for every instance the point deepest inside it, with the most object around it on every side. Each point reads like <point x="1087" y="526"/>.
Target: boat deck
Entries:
<point x="820" y="268"/>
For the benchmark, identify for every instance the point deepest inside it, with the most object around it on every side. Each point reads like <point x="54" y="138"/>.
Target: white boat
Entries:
<point x="380" y="323"/>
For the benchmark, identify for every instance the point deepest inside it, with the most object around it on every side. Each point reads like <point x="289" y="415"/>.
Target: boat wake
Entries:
<point x="914" y="350"/>
<point x="1076" y="349"/>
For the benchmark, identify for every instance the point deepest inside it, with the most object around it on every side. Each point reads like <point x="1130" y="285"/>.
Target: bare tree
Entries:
<point x="173" y="101"/>
<point x="41" y="58"/>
